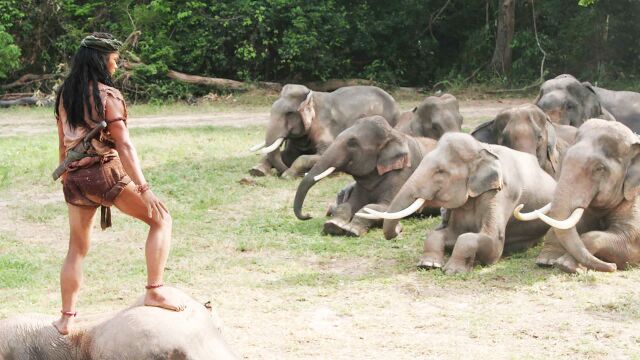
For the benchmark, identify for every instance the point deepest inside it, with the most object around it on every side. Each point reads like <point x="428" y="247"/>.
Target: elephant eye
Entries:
<point x="352" y="142"/>
<point x="599" y="168"/>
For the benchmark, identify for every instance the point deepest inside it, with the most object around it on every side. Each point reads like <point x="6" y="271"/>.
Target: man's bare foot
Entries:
<point x="159" y="297"/>
<point x="63" y="324"/>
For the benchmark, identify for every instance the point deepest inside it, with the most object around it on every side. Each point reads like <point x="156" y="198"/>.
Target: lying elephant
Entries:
<point x="480" y="185"/>
<point x="527" y="128"/>
<point x="568" y="101"/>
<point x="379" y="158"/>
<point x="309" y="121"/>
<point x="434" y="116"/>
<point x="597" y="195"/>
<point x="138" y="332"/>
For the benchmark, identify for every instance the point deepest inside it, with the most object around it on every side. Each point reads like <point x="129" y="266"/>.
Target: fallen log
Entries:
<point x="220" y="82"/>
<point x="28" y="79"/>
<point x="31" y="100"/>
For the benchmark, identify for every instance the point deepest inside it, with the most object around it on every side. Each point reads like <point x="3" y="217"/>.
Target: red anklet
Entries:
<point x="68" y="313"/>
<point x="149" y="287"/>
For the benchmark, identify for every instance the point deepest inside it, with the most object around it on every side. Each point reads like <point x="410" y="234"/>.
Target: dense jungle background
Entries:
<point x="416" y="43"/>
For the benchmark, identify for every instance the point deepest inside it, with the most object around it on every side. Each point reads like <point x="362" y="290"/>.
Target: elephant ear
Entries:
<point x="307" y="111"/>
<point x="552" y="140"/>
<point x="631" y="187"/>
<point x="593" y="107"/>
<point x="486" y="174"/>
<point x="394" y="155"/>
<point x="485" y="132"/>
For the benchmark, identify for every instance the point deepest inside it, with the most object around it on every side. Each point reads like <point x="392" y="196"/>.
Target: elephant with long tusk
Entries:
<point x="379" y="158"/>
<point x="594" y="214"/>
<point x="307" y="121"/>
<point x="479" y="185"/>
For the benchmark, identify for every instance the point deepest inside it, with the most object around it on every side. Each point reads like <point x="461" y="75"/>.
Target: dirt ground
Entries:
<point x="403" y="316"/>
<point x="473" y="112"/>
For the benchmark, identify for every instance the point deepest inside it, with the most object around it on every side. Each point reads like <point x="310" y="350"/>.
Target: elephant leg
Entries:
<point x="359" y="226"/>
<point x="338" y="223"/>
<point x="551" y="251"/>
<point x="607" y="246"/>
<point x="470" y="246"/>
<point x="301" y="165"/>
<point x="263" y="168"/>
<point x="343" y="196"/>
<point x="433" y="250"/>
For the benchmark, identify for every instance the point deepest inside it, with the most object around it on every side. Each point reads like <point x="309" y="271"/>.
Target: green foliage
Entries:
<point x="405" y="42"/>
<point x="9" y="54"/>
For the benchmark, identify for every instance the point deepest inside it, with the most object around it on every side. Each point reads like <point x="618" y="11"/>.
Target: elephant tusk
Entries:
<point x="276" y="144"/>
<point x="257" y="147"/>
<point x="530" y="215"/>
<point x="324" y="174"/>
<point x="400" y="214"/>
<point x="570" y="222"/>
<point x="367" y="216"/>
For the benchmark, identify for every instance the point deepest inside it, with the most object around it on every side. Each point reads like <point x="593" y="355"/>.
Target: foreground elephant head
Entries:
<point x="368" y="150"/>
<point x="567" y="101"/>
<point x="600" y="178"/>
<point x="435" y="116"/>
<point x="138" y="332"/>
<point x="309" y="120"/>
<point x="458" y="168"/>
<point x="528" y="129"/>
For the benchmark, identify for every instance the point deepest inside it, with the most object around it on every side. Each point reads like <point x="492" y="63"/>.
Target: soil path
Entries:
<point x="473" y="111"/>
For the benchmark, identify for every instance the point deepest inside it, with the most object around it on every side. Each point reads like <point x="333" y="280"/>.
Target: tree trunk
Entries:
<point x="501" y="60"/>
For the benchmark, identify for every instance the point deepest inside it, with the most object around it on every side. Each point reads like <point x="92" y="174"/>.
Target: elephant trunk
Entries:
<point x="401" y="201"/>
<point x="274" y="138"/>
<point x="569" y="237"/>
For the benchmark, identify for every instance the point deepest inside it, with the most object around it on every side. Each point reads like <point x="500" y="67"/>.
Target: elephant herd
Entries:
<point x="565" y="168"/>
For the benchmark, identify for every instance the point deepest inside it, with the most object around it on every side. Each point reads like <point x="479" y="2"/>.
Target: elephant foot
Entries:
<point x="456" y="266"/>
<point x="339" y="228"/>
<point x="259" y="171"/>
<point x="431" y="261"/>
<point x="568" y="264"/>
<point x="289" y="174"/>
<point x="549" y="254"/>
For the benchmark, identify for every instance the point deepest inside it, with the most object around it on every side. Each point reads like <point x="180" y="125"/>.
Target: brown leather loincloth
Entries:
<point x="102" y="178"/>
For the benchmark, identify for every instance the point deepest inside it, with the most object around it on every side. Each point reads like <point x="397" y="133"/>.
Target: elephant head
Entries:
<point x="528" y="129"/>
<point x="435" y="116"/>
<point x="567" y="101"/>
<point x="291" y="117"/>
<point x="459" y="168"/>
<point x="368" y="149"/>
<point x="601" y="172"/>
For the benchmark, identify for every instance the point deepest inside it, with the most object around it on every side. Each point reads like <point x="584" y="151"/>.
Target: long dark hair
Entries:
<point x="89" y="66"/>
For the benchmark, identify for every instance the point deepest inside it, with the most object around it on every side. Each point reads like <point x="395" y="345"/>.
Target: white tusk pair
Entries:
<point x="373" y="214"/>
<point x="276" y="144"/>
<point x="324" y="174"/>
<point x="530" y="215"/>
<point x="568" y="223"/>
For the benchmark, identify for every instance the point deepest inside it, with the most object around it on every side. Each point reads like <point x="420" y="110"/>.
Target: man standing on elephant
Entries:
<point x="105" y="171"/>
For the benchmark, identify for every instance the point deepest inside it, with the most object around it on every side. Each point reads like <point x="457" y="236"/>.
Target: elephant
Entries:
<point x="527" y="128"/>
<point x="597" y="196"/>
<point x="138" y="332"/>
<point x="434" y="116"/>
<point x="568" y="101"/>
<point x="379" y="158"/>
<point x="310" y="120"/>
<point x="480" y="185"/>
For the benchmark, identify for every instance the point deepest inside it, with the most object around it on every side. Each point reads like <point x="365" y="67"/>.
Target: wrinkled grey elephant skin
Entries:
<point x="308" y="122"/>
<point x="379" y="158"/>
<point x="480" y="185"/>
<point x="595" y="212"/>
<point x="527" y="128"/>
<point x="138" y="332"/>
<point x="435" y="116"/>
<point x="568" y="101"/>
